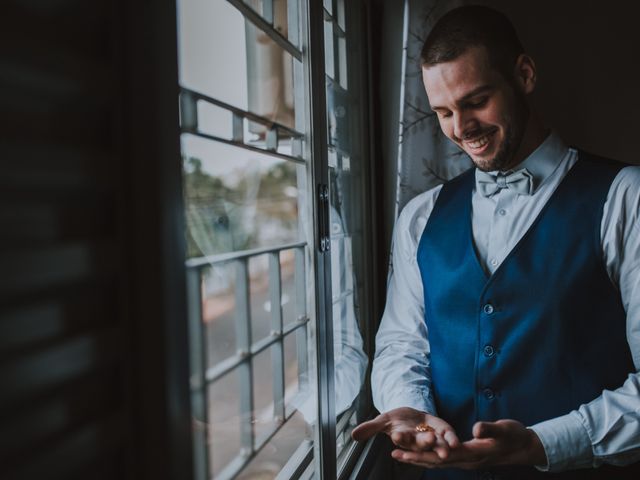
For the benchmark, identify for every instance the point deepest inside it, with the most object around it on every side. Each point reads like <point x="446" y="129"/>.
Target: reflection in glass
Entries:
<point x="350" y="361"/>
<point x="270" y="80"/>
<point x="349" y="358"/>
<point x="226" y="57"/>
<point x="218" y="312"/>
<point x="237" y="200"/>
<point x="251" y="344"/>
<point x="347" y="157"/>
<point x="224" y="422"/>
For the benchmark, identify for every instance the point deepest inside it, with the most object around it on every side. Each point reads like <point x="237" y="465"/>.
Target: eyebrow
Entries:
<point x="467" y="96"/>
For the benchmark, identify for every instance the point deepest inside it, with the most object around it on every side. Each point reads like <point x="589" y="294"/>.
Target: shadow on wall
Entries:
<point x="587" y="70"/>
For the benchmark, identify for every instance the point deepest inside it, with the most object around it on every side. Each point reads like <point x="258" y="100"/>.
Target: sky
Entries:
<point x="203" y="27"/>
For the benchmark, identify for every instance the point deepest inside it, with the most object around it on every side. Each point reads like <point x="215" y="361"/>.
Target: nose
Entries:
<point x="463" y="123"/>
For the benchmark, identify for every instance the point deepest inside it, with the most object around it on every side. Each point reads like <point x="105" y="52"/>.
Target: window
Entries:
<point x="274" y="143"/>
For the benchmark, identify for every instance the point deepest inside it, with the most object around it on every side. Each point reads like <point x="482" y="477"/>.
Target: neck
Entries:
<point x="534" y="134"/>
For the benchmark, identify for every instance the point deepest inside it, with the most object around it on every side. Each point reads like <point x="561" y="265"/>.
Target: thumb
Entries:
<point x="487" y="430"/>
<point x="366" y="430"/>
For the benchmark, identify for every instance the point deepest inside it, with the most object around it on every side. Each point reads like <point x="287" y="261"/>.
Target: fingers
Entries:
<point x="425" y="441"/>
<point x="421" y="442"/>
<point x="451" y="438"/>
<point x="423" y="459"/>
<point x="501" y="429"/>
<point x="432" y="462"/>
<point x="400" y="424"/>
<point x="403" y="438"/>
<point x="444" y="430"/>
<point x="366" y="430"/>
<point x="487" y="430"/>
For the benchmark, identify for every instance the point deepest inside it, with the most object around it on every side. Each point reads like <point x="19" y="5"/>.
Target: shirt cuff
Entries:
<point x="566" y="443"/>
<point x="412" y="399"/>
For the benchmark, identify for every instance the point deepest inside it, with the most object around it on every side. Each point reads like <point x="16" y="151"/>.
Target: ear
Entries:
<point x="525" y="73"/>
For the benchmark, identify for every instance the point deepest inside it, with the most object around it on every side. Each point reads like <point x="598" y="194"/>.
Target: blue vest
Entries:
<point x="542" y="335"/>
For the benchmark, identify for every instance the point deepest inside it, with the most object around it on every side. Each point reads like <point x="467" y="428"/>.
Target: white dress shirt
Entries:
<point x="606" y="430"/>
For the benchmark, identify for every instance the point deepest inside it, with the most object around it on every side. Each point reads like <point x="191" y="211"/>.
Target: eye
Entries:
<point x="442" y="114"/>
<point x="478" y="103"/>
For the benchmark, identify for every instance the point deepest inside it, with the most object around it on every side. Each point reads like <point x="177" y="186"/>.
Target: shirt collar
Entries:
<point x="543" y="160"/>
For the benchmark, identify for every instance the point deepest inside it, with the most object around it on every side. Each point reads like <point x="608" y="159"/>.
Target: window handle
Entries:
<point x="324" y="242"/>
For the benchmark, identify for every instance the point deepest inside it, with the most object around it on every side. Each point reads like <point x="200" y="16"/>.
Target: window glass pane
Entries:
<point x="261" y="307"/>
<point x="287" y="271"/>
<point x="204" y="27"/>
<point x="218" y="312"/>
<point x="264" y="420"/>
<point x="250" y="281"/>
<point x="224" y="422"/>
<point x="236" y="199"/>
<point x="280" y="450"/>
<point x="291" y="369"/>
<point x="275" y="12"/>
<point x="346" y="184"/>
<point x="226" y="57"/>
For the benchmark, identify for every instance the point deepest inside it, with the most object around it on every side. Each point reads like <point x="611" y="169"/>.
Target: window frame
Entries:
<point x="311" y="53"/>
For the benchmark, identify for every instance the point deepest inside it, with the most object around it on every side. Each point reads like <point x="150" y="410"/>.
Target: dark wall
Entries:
<point x="93" y="384"/>
<point x="588" y="70"/>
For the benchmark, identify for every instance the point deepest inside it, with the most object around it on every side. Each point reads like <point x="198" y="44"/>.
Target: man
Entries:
<point x="511" y="335"/>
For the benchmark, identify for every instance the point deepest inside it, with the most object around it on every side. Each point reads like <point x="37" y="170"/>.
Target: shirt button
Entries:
<point x="489" y="394"/>
<point x="494" y="261"/>
<point x="488" y="309"/>
<point x="502" y="212"/>
<point x="489" y="351"/>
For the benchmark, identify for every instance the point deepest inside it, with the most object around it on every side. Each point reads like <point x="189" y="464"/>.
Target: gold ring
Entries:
<point x="423" y="427"/>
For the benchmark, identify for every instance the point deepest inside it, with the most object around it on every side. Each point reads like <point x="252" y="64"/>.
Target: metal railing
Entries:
<point x="203" y="375"/>
<point x="189" y="123"/>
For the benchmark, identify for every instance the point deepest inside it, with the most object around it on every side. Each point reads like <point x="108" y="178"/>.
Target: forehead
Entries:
<point x="448" y="82"/>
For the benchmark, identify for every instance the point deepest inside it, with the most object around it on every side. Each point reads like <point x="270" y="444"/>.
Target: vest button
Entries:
<point x="488" y="309"/>
<point x="489" y="394"/>
<point x="489" y="351"/>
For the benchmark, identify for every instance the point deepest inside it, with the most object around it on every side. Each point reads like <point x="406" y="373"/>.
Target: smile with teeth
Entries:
<point x="479" y="142"/>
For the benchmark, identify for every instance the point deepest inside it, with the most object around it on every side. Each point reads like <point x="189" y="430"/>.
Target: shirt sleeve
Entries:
<point x="606" y="429"/>
<point x="401" y="375"/>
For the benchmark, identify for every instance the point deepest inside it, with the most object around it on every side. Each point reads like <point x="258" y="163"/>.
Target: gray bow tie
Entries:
<point x="520" y="182"/>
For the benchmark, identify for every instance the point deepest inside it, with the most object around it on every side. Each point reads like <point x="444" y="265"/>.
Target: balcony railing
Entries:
<point x="203" y="375"/>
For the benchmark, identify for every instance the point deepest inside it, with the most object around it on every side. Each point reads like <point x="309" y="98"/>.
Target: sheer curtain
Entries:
<point x="426" y="158"/>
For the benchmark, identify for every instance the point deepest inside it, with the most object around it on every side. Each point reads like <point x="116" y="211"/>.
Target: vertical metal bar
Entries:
<point x="188" y="112"/>
<point x="238" y="128"/>
<point x="277" y="350"/>
<point x="296" y="147"/>
<point x="301" y="312"/>
<point x="198" y="362"/>
<point x="325" y="445"/>
<point x="243" y="344"/>
<point x="267" y="11"/>
<point x="272" y="139"/>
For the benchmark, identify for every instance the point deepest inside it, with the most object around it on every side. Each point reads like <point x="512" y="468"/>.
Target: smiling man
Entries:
<point x="510" y="343"/>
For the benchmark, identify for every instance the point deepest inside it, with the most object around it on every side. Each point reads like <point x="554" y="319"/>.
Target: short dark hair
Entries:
<point x="472" y="26"/>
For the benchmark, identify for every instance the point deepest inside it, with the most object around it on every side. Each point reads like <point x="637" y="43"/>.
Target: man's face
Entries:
<point x="478" y="109"/>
